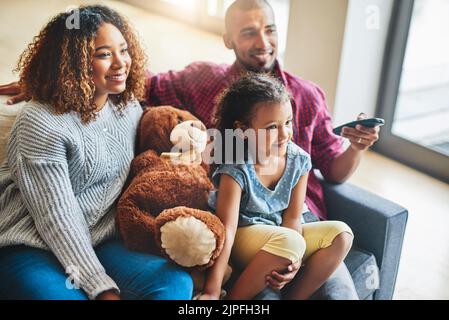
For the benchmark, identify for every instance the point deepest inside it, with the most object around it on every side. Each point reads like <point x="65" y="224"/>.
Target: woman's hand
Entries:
<point x="277" y="280"/>
<point x="108" y="295"/>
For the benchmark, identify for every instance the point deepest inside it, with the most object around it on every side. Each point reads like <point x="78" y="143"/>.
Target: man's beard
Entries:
<point x="254" y="69"/>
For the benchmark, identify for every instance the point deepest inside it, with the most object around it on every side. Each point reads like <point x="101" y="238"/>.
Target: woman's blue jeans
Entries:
<point x="35" y="274"/>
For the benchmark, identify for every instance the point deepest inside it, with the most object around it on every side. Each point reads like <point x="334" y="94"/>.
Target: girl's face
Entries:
<point x="111" y="63"/>
<point x="274" y="121"/>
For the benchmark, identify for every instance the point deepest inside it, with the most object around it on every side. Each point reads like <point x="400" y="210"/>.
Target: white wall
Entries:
<point x="365" y="37"/>
<point x="314" y="42"/>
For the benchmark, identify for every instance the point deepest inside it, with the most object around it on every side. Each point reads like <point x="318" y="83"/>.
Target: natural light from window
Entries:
<point x="188" y="4"/>
<point x="422" y="110"/>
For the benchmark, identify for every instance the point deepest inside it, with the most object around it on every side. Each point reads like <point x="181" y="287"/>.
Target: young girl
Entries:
<point x="68" y="156"/>
<point x="261" y="202"/>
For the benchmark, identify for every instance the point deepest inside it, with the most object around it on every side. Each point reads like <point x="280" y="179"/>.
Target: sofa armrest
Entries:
<point x="378" y="225"/>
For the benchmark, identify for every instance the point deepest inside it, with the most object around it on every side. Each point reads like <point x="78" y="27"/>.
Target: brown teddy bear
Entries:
<point x="164" y="206"/>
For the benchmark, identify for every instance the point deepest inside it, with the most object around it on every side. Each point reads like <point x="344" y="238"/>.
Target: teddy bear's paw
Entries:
<point x="188" y="241"/>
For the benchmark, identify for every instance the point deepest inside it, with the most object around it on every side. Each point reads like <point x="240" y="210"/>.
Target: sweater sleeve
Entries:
<point x="42" y="175"/>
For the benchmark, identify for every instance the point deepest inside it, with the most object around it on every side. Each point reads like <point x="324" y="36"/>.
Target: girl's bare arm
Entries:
<point x="292" y="215"/>
<point x="228" y="206"/>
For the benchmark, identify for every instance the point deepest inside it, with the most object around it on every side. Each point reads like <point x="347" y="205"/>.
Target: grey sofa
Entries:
<point x="379" y="226"/>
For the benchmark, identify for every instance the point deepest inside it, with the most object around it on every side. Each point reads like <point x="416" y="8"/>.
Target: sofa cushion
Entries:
<point x="364" y="272"/>
<point x="8" y="115"/>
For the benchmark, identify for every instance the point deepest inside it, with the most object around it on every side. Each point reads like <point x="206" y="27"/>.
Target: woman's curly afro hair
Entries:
<point x="56" y="68"/>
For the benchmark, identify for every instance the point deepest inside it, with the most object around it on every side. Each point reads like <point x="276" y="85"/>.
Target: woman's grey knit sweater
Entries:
<point x="59" y="183"/>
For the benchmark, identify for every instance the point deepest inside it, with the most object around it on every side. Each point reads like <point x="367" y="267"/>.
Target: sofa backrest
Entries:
<point x="8" y="115"/>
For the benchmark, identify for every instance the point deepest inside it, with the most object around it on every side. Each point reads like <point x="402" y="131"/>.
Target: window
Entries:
<point x="182" y="3"/>
<point x="414" y="94"/>
<point x="217" y="8"/>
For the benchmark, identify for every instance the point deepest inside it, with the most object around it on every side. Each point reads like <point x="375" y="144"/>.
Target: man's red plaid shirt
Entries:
<point x="196" y="87"/>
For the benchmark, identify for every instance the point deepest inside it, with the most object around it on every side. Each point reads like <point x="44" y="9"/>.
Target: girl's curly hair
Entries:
<point x="238" y="102"/>
<point x="56" y="67"/>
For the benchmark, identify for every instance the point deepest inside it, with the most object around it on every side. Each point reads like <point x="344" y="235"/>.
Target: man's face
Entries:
<point x="253" y="37"/>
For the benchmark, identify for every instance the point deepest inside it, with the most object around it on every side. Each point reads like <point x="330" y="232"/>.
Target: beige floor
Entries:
<point x="424" y="269"/>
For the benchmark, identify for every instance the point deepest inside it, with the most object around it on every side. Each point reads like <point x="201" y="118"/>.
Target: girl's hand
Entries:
<point x="277" y="280"/>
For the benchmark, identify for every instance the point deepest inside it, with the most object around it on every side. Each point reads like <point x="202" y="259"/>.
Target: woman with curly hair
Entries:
<point x="68" y="156"/>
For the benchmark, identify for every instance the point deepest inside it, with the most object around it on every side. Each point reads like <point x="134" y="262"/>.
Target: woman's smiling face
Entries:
<point x="111" y="63"/>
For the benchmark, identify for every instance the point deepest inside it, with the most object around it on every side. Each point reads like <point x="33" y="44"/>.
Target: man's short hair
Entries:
<point x="244" y="5"/>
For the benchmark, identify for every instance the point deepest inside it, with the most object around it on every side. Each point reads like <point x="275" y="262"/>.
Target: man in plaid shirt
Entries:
<point x="251" y="33"/>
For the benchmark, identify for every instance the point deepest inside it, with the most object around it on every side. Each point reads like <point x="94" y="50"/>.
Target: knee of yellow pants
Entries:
<point x="286" y="243"/>
<point x="339" y="227"/>
<point x="320" y="235"/>
<point x="336" y="228"/>
<point x="342" y="227"/>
